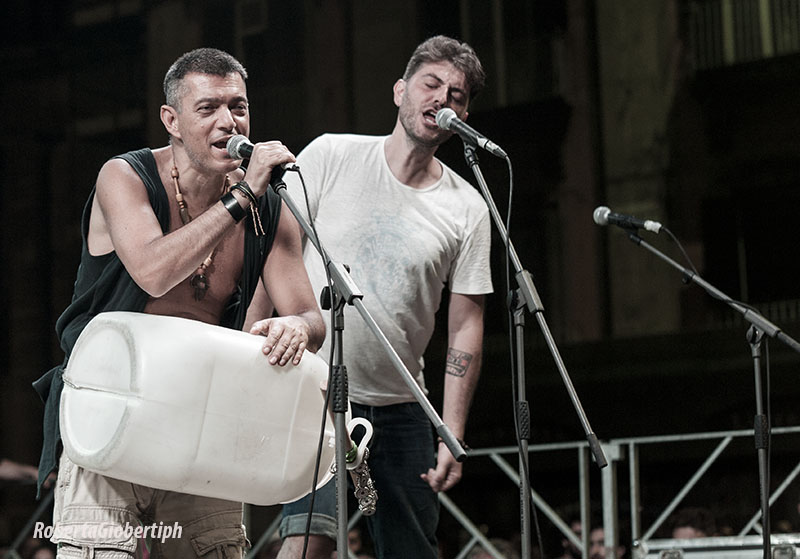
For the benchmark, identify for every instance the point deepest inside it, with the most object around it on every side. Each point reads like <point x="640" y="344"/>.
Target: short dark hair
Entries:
<point x="203" y="61"/>
<point x="461" y="55"/>
<point x="699" y="518"/>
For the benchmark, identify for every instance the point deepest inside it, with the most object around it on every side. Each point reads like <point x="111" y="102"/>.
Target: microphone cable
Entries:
<point x="275" y="184"/>
<point x="330" y="387"/>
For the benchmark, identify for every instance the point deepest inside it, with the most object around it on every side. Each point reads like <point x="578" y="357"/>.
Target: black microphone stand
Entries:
<point x="345" y="291"/>
<point x="759" y="326"/>
<point x="526" y="297"/>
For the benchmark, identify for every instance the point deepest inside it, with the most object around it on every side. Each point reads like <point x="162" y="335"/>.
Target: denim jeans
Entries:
<point x="407" y="513"/>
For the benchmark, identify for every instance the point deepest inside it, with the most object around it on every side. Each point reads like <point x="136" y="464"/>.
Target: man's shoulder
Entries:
<point x="140" y="164"/>
<point x="339" y="151"/>
<point x="344" y="142"/>
<point x="466" y="192"/>
<point x="139" y="155"/>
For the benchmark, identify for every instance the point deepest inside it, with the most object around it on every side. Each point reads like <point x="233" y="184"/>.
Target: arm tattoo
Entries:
<point x="457" y="362"/>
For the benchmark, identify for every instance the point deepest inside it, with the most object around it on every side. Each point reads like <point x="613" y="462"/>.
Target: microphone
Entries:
<point x="239" y="147"/>
<point x="446" y="119"/>
<point x="603" y="216"/>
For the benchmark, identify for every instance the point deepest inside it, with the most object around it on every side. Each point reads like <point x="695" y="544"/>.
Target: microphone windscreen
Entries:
<point x="600" y="215"/>
<point x="237" y="147"/>
<point x="444" y="116"/>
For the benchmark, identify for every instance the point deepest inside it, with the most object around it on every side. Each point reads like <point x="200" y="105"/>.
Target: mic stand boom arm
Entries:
<point x="749" y="314"/>
<point x="530" y="298"/>
<point x="534" y="303"/>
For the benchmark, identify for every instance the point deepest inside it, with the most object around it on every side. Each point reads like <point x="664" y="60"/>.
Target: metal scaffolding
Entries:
<point x="744" y="545"/>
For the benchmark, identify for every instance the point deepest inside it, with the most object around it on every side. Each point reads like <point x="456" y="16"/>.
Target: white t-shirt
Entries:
<point x="402" y="245"/>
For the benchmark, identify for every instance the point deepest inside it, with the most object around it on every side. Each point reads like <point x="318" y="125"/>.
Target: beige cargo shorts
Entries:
<point x="97" y="517"/>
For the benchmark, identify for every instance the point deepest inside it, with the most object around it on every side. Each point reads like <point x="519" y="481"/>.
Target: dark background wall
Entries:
<point x="651" y="108"/>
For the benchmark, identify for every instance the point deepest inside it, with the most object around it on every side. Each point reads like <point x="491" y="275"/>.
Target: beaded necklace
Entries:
<point x="199" y="280"/>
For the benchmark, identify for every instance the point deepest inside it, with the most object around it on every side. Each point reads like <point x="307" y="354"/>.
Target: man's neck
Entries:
<point x="203" y="187"/>
<point x="410" y="163"/>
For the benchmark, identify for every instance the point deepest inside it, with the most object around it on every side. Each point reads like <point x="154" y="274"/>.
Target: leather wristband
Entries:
<point x="244" y="188"/>
<point x="231" y="204"/>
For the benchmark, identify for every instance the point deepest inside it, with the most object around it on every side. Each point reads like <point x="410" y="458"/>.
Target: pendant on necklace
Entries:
<point x="198" y="281"/>
<point x="200" y="284"/>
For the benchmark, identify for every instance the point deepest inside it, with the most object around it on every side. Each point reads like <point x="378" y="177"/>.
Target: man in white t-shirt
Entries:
<point x="407" y="226"/>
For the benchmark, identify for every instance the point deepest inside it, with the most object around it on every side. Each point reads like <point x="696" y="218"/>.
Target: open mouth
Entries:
<point x="430" y="117"/>
<point x="222" y="144"/>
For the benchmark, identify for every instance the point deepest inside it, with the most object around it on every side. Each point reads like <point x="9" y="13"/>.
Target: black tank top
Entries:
<point x="103" y="284"/>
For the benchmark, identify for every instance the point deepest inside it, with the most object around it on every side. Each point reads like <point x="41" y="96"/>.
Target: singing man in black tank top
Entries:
<point x="181" y="230"/>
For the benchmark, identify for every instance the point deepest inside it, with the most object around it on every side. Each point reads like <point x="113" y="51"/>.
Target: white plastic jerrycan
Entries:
<point x="177" y="404"/>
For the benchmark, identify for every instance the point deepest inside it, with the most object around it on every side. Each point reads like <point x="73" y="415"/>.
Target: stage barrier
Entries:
<point x="621" y="453"/>
<point x="625" y="453"/>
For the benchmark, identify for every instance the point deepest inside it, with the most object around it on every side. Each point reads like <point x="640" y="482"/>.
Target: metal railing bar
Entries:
<point x="774" y="497"/>
<point x="532" y="448"/>
<point x="701" y="436"/>
<point x="636" y="497"/>
<point x="540" y="503"/>
<point x="469" y="526"/>
<point x="686" y="488"/>
<point x="467" y="548"/>
<point x="583" y="495"/>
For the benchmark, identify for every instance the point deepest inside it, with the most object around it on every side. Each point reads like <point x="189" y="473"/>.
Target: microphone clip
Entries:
<point x="365" y="491"/>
